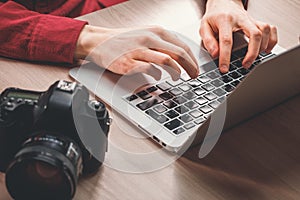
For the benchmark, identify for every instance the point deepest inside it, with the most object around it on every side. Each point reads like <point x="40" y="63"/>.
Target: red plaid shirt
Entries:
<point x="43" y="30"/>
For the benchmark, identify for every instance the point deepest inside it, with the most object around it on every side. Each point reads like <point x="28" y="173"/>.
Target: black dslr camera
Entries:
<point x="48" y="139"/>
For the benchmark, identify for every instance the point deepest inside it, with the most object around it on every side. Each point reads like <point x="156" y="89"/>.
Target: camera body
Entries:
<point x="47" y="139"/>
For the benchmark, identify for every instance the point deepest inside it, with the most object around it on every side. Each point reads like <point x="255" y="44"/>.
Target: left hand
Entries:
<point x="221" y="19"/>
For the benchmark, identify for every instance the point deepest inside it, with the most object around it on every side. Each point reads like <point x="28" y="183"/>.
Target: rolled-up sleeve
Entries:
<point x="28" y="35"/>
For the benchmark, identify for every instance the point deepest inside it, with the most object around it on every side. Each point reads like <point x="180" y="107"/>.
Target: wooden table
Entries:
<point x="258" y="159"/>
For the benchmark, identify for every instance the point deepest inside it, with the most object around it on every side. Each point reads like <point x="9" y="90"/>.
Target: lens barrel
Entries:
<point x="47" y="167"/>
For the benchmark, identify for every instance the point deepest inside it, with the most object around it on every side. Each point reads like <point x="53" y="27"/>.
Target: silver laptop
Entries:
<point x="178" y="114"/>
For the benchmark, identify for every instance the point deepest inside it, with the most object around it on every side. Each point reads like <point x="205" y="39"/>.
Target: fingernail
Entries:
<point x="247" y="64"/>
<point x="224" y="68"/>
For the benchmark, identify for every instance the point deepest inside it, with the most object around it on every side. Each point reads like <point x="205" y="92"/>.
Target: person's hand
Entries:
<point x="128" y="51"/>
<point x="221" y="19"/>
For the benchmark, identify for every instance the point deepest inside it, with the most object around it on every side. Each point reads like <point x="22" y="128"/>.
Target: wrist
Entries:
<point x="213" y="3"/>
<point x="88" y="39"/>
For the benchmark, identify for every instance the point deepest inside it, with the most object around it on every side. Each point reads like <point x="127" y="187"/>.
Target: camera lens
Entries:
<point x="47" y="167"/>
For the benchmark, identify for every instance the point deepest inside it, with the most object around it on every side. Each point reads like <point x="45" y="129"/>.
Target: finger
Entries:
<point x="176" y="54"/>
<point x="162" y="59"/>
<point x="272" y="40"/>
<point x="225" y="43"/>
<point x="266" y="30"/>
<point x="172" y="38"/>
<point x="145" y="67"/>
<point x="255" y="38"/>
<point x="208" y="39"/>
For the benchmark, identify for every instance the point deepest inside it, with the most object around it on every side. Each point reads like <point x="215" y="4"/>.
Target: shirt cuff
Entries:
<point x="108" y="3"/>
<point x="54" y="39"/>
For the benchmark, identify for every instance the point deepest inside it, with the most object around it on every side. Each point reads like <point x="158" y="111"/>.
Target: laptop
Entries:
<point x="178" y="114"/>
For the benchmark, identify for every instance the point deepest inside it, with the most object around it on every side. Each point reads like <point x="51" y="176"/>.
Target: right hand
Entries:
<point x="129" y="51"/>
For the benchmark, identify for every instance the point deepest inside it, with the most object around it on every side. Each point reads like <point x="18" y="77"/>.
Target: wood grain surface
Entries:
<point x="258" y="159"/>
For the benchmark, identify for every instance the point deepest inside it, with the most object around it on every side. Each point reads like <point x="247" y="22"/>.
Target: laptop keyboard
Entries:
<point x="183" y="104"/>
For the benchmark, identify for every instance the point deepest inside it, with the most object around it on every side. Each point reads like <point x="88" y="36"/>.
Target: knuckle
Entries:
<point x="181" y="52"/>
<point x="125" y="69"/>
<point x="156" y="29"/>
<point x="266" y="28"/>
<point x="228" y="17"/>
<point x="125" y="65"/>
<point x="145" y="40"/>
<point x="257" y="35"/>
<point x="166" y="60"/>
<point x="226" y="40"/>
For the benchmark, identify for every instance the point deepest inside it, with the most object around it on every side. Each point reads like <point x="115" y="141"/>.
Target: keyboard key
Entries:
<point x="176" y="92"/>
<point x="164" y="86"/>
<point x="213" y="75"/>
<point x="204" y="79"/>
<point x="217" y="83"/>
<point x="166" y="96"/>
<point x="178" y="131"/>
<point x="199" y="91"/>
<point x="172" y="114"/>
<point x="232" y="67"/>
<point x="258" y="57"/>
<point x="185" y="87"/>
<point x="214" y="104"/>
<point x="268" y="57"/>
<point x="226" y="79"/>
<point x="200" y="120"/>
<point x="201" y="100"/>
<point x="144" y="95"/>
<point x="196" y="113"/>
<point x="235" y="75"/>
<point x="219" y="92"/>
<point x="151" y="89"/>
<point x="189" y="95"/>
<point x="132" y="97"/>
<point x="206" y="109"/>
<point x="180" y="100"/>
<point x="191" y="105"/>
<point x="170" y="104"/>
<point x="185" y="77"/>
<point x="210" y="96"/>
<point x="229" y="88"/>
<point x="233" y="58"/>
<point x="152" y="113"/>
<point x="238" y="63"/>
<point x="264" y="54"/>
<point x="243" y="71"/>
<point x="171" y="125"/>
<point x="160" y="118"/>
<point x="208" y="87"/>
<point x="148" y="104"/>
<point x="256" y="63"/>
<point x="181" y="109"/>
<point x="186" y="118"/>
<point x="235" y="83"/>
<point x="175" y="83"/>
<point x="189" y="126"/>
<point x="160" y="108"/>
<point x="194" y="83"/>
